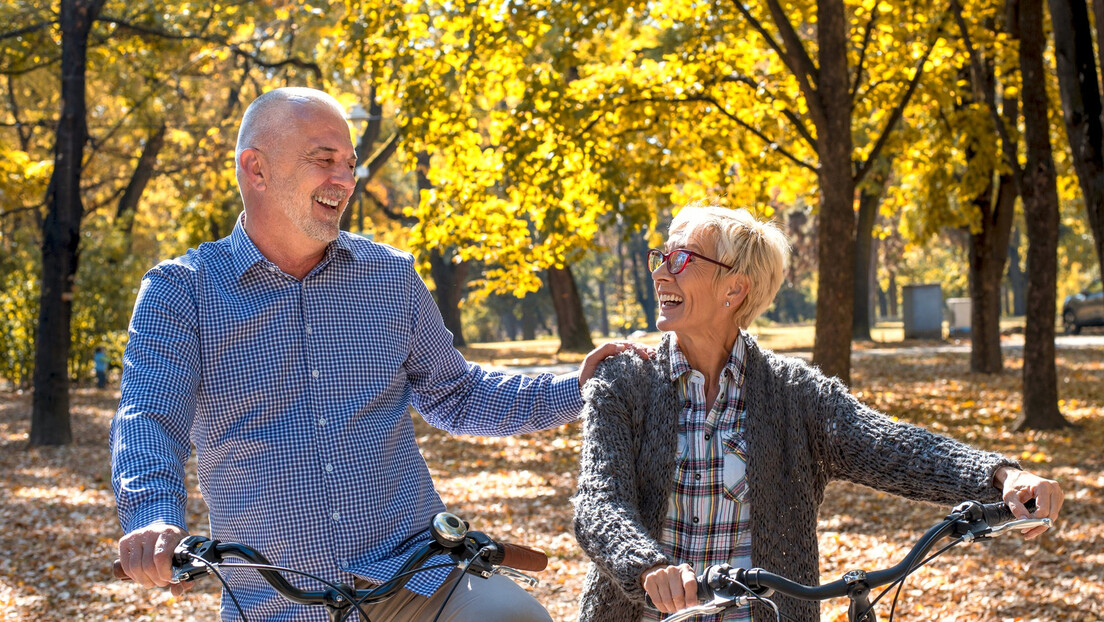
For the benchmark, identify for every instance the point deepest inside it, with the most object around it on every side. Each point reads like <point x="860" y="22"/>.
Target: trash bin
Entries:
<point x="958" y="323"/>
<point x="923" y="311"/>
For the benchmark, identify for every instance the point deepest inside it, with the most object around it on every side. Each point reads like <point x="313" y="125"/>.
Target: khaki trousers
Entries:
<point x="476" y="599"/>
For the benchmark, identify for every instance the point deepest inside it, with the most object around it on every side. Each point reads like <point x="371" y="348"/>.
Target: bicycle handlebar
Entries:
<point x="195" y="555"/>
<point x="968" y="521"/>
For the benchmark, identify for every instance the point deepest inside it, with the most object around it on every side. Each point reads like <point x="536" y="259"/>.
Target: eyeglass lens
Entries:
<point x="676" y="260"/>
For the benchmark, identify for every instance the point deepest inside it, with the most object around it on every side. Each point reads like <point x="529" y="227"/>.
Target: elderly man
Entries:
<point x="288" y="353"/>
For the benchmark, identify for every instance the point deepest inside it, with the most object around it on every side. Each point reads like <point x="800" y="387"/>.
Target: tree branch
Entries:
<point x="989" y="97"/>
<point x="898" y="110"/>
<point x="26" y="29"/>
<point x="862" y="55"/>
<point x="794" y="56"/>
<point x="234" y="48"/>
<point x="794" y="119"/>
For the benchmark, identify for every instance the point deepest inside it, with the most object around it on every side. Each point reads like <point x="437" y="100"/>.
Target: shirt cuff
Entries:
<point x="151" y="513"/>
<point x="566" y="391"/>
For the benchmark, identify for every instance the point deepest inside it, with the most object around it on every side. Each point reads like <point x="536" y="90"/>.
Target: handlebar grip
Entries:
<point x="117" y="570"/>
<point x="521" y="557"/>
<point x="996" y="514"/>
<point x="704" y="591"/>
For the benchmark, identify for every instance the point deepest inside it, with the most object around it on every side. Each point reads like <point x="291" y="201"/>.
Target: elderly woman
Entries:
<point x="716" y="450"/>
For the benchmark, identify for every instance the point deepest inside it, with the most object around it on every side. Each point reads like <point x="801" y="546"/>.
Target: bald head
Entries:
<point x="271" y="114"/>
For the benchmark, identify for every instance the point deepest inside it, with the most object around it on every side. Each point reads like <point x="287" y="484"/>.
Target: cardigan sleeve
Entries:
<point x="865" y="446"/>
<point x="608" y="521"/>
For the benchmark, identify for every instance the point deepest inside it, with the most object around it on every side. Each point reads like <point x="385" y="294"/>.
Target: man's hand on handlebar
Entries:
<point x="146" y="556"/>
<point x="671" y="587"/>
<point x="1020" y="486"/>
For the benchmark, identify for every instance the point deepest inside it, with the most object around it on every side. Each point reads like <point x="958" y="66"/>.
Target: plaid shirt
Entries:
<point x="708" y="514"/>
<point x="295" y="394"/>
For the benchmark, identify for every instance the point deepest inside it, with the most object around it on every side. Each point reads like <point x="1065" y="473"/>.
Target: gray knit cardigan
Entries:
<point x="803" y="430"/>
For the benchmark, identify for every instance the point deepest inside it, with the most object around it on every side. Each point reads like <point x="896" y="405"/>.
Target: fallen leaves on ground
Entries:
<point x="60" y="527"/>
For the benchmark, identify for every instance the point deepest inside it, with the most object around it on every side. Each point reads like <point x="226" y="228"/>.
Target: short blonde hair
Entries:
<point x="754" y="248"/>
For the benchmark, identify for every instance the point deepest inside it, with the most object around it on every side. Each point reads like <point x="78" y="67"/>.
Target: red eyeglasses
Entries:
<point x="677" y="259"/>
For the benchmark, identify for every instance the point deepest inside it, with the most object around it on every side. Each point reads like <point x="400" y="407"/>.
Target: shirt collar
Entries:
<point x="246" y="254"/>
<point x="735" y="366"/>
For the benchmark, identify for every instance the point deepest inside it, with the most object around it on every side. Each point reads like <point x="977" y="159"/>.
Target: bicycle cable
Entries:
<point x="456" y="584"/>
<point x="333" y="586"/>
<point x="359" y="602"/>
<point x="225" y="584"/>
<point x="900" y="583"/>
<point x="756" y="598"/>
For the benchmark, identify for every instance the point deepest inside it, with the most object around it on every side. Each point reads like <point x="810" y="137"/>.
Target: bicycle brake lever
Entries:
<point x="184" y="567"/>
<point x="517" y="575"/>
<point x="1021" y="524"/>
<point x="717" y="605"/>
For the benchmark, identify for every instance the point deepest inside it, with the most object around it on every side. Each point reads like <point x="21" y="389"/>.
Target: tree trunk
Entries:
<point x="870" y="197"/>
<point x="1081" y="106"/>
<point x="892" y="294"/>
<point x="1017" y="278"/>
<point x="61" y="233"/>
<point x="603" y="309"/>
<point x="642" y="279"/>
<point x="1040" y="197"/>
<point x="988" y="236"/>
<point x="370" y="158"/>
<point x="987" y="256"/>
<point x="1098" y="15"/>
<point x="836" y="222"/>
<point x="143" y="173"/>
<point x="449" y="278"/>
<point x="570" y="321"/>
<point x="529" y="317"/>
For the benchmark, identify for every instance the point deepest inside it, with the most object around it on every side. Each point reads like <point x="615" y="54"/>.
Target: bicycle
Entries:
<point x="472" y="551"/>
<point x="724" y="587"/>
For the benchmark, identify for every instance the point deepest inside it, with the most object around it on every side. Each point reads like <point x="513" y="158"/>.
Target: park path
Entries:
<point x="1011" y="344"/>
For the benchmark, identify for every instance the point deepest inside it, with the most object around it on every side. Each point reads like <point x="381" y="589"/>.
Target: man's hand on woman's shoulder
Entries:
<point x="599" y="354"/>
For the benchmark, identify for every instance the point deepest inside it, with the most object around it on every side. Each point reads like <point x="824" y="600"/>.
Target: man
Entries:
<point x="288" y="354"/>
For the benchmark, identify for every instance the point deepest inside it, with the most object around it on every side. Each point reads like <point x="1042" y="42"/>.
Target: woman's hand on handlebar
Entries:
<point x="146" y="556"/>
<point x="1020" y="486"/>
<point x="671" y="587"/>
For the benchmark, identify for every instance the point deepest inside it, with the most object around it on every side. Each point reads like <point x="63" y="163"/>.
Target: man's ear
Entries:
<point x="253" y="169"/>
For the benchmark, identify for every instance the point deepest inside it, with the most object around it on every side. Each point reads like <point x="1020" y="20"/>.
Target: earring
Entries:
<point x="727" y="303"/>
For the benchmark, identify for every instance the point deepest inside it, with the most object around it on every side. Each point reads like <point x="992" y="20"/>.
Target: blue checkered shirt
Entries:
<point x="296" y="394"/>
<point x="708" y="517"/>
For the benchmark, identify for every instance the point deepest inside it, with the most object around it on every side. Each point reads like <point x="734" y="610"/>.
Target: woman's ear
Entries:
<point x="253" y="169"/>
<point x="739" y="285"/>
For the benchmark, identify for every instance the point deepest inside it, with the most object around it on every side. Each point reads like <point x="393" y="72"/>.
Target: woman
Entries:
<point x="716" y="450"/>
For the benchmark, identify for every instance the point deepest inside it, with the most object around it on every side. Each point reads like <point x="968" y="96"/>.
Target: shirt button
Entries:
<point x="697" y="476"/>
<point x="695" y="518"/>
<point x="337" y="516"/>
<point x="322" y="421"/>
<point x="707" y="436"/>
<point x="329" y="468"/>
<point x="316" y="373"/>
<point x="309" y="329"/>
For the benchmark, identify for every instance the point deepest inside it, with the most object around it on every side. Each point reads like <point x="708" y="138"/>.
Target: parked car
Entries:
<point x="1084" y="309"/>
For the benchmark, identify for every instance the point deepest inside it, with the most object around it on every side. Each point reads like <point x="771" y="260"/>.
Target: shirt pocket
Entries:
<point x="735" y="467"/>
